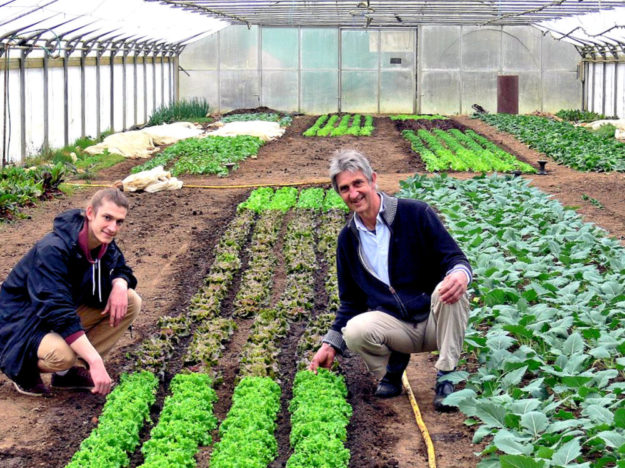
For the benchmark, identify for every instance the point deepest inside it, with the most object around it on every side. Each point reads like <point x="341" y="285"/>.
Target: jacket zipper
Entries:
<point x="398" y="299"/>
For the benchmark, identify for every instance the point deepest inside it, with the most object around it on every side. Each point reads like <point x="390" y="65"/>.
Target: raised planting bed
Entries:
<point x="209" y="155"/>
<point x="339" y="125"/>
<point x="567" y="144"/>
<point x="544" y="381"/>
<point x="447" y="145"/>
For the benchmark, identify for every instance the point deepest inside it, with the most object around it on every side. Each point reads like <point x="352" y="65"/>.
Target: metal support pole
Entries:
<point x="124" y="57"/>
<point x="134" y="87"/>
<point x="112" y="94"/>
<point x="46" y="104"/>
<point x="23" y="104"/>
<point x="83" y="97"/>
<point x="65" y="100"/>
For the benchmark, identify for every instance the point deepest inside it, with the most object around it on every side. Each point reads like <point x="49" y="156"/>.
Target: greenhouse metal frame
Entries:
<point x="68" y="72"/>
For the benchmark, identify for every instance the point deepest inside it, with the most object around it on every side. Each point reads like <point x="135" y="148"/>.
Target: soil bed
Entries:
<point x="169" y="240"/>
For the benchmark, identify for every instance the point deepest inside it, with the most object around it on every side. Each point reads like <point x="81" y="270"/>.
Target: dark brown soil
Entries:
<point x="169" y="241"/>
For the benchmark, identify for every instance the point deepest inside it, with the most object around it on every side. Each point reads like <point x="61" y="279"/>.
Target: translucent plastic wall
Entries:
<point x="459" y="65"/>
<point x="114" y="97"/>
<point x="604" y="87"/>
<point x="310" y="70"/>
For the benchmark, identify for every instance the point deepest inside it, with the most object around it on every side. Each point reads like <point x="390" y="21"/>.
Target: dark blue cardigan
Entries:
<point x="421" y="253"/>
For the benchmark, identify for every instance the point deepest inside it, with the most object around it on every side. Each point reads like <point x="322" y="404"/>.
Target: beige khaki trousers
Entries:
<point x="375" y="334"/>
<point x="56" y="355"/>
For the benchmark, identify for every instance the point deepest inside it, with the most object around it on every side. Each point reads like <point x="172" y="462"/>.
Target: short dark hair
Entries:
<point x="349" y="160"/>
<point x="111" y="194"/>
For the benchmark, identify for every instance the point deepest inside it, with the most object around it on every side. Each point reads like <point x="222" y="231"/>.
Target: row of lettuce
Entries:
<point x="546" y="341"/>
<point x="319" y="410"/>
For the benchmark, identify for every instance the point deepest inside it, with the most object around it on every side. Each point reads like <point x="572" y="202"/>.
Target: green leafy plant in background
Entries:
<point x="312" y="131"/>
<point x="368" y="127"/>
<point x="125" y="412"/>
<point x="210" y="155"/>
<point x="332" y="201"/>
<point x="257" y="200"/>
<point x="311" y="198"/>
<point x="576" y="115"/>
<point x="348" y="124"/>
<point x="21" y="187"/>
<point x="327" y="129"/>
<point x="573" y="146"/>
<point x="194" y="109"/>
<point x="545" y="330"/>
<point x="605" y="131"/>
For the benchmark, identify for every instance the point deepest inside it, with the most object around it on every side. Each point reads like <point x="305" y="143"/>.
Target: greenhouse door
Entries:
<point x="378" y="72"/>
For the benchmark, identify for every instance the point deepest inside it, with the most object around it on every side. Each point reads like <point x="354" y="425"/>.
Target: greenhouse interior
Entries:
<point x="274" y="308"/>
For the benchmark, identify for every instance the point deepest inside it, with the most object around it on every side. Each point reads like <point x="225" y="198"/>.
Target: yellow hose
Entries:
<point x="285" y="184"/>
<point x="420" y="423"/>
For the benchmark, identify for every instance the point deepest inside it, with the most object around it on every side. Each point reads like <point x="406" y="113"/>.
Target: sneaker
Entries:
<point x="442" y="389"/>
<point x="37" y="389"/>
<point x="77" y="378"/>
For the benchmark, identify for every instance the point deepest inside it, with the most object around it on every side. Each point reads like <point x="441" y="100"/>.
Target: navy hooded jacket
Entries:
<point x="42" y="292"/>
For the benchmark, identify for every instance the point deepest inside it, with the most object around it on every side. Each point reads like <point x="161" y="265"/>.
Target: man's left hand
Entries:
<point x="117" y="305"/>
<point x="453" y="287"/>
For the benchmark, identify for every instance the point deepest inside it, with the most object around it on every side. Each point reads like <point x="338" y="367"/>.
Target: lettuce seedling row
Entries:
<point x="185" y="424"/>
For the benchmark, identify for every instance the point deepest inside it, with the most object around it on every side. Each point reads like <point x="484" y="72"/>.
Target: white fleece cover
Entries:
<point x="259" y="128"/>
<point x="153" y="180"/>
<point x="143" y="143"/>
<point x="131" y="144"/>
<point x="168" y="134"/>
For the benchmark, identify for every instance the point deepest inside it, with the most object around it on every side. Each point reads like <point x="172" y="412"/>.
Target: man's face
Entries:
<point x="356" y="191"/>
<point x="105" y="223"/>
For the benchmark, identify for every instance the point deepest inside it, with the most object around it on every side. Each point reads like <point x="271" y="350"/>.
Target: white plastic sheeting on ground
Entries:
<point x="264" y="130"/>
<point x="154" y="180"/>
<point x="143" y="143"/>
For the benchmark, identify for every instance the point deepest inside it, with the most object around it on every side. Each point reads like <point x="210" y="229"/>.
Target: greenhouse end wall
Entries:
<point x="432" y="69"/>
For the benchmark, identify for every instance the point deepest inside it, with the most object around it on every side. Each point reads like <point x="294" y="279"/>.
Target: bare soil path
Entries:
<point x="168" y="241"/>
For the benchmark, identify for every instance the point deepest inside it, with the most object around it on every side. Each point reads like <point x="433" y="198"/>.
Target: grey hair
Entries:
<point x="349" y="160"/>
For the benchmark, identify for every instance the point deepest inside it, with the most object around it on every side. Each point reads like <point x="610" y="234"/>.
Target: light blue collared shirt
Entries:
<point x="375" y="244"/>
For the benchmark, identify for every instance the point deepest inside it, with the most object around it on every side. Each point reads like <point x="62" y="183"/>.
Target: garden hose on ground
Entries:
<point x="268" y="184"/>
<point x="420" y="423"/>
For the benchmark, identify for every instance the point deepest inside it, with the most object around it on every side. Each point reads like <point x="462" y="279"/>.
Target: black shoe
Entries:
<point x="443" y="388"/>
<point x="389" y="387"/>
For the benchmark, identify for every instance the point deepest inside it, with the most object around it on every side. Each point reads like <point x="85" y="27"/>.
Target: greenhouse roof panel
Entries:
<point x="590" y="30"/>
<point x="27" y="22"/>
<point x="388" y="13"/>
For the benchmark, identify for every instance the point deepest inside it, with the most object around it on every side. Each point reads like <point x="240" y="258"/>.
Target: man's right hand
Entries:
<point x="101" y="380"/>
<point x="323" y="358"/>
